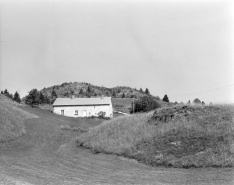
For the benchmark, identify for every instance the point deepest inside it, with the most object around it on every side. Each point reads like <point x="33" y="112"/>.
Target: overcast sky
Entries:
<point x="176" y="48"/>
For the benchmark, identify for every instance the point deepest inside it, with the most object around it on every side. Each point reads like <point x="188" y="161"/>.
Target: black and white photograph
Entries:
<point x="117" y="92"/>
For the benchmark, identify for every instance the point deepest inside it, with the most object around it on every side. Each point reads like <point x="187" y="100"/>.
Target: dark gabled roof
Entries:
<point x="82" y="101"/>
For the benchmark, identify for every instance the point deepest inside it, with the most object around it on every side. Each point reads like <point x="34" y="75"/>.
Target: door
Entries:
<point x="84" y="113"/>
<point x="62" y="112"/>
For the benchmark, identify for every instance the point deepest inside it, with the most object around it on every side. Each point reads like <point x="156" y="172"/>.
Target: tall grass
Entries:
<point x="12" y="120"/>
<point x="118" y="134"/>
<point x="205" y="141"/>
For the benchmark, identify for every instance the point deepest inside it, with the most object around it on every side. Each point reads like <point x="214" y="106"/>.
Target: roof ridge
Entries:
<point x="82" y="101"/>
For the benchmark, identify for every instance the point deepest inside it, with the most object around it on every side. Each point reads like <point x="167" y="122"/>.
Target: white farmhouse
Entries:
<point x="83" y="107"/>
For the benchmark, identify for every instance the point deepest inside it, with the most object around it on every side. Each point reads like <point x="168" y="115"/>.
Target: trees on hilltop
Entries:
<point x="36" y="97"/>
<point x="17" y="97"/>
<point x="32" y="98"/>
<point x="165" y="98"/>
<point x="147" y="91"/>
<point x="196" y="101"/>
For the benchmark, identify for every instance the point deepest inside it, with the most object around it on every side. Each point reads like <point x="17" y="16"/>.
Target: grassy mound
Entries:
<point x="176" y="136"/>
<point x="11" y="119"/>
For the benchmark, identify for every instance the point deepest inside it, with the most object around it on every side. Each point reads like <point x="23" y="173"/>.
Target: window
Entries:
<point x="62" y="112"/>
<point x="76" y="112"/>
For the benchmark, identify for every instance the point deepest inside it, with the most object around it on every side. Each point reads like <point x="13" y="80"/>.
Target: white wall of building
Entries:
<point x="84" y="111"/>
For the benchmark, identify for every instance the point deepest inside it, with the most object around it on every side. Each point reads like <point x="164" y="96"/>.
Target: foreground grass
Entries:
<point x="201" y="142"/>
<point x="12" y="119"/>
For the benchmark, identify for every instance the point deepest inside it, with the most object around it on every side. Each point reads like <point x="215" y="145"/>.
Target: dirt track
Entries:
<point x="48" y="155"/>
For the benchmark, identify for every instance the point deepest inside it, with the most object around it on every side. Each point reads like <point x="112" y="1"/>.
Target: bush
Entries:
<point x="144" y="104"/>
<point x="102" y="115"/>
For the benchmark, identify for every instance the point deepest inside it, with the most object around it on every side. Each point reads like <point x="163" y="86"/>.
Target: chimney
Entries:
<point x="72" y="97"/>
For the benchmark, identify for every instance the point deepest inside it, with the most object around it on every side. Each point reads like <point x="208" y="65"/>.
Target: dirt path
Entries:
<point x="48" y="155"/>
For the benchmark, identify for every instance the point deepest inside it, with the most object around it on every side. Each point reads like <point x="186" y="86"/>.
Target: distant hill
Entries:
<point x="82" y="89"/>
<point x="122" y="96"/>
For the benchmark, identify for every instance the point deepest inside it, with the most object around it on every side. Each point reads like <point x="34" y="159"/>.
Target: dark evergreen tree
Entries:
<point x="196" y="101"/>
<point x="41" y="98"/>
<point x="165" y="98"/>
<point x="6" y="93"/>
<point x="54" y="94"/>
<point x="81" y="91"/>
<point x="2" y="92"/>
<point x="189" y="102"/>
<point x="141" y="91"/>
<point x="113" y="94"/>
<point x="147" y="91"/>
<point x="89" y="89"/>
<point x="17" y="97"/>
<point x="203" y="103"/>
<point x="123" y="95"/>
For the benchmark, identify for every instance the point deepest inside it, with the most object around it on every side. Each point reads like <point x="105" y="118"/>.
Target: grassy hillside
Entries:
<point x="182" y="136"/>
<point x="12" y="119"/>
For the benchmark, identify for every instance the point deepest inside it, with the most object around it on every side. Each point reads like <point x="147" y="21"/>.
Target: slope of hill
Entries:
<point x="179" y="136"/>
<point x="12" y="119"/>
<point x="47" y="154"/>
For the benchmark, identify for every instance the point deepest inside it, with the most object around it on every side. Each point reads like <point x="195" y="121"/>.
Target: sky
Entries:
<point x="180" y="48"/>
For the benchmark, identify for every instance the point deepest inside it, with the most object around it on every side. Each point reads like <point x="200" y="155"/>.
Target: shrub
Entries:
<point x="102" y="115"/>
<point x="144" y="104"/>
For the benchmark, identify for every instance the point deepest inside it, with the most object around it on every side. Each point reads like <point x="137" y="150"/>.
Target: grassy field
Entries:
<point x="203" y="138"/>
<point x="121" y="104"/>
<point x="12" y="119"/>
<point x="47" y="154"/>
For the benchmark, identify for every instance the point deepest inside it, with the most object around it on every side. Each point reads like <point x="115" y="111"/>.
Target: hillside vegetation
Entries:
<point x="81" y="89"/>
<point x="12" y="119"/>
<point x="178" y="136"/>
<point x="122" y="96"/>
